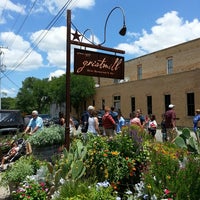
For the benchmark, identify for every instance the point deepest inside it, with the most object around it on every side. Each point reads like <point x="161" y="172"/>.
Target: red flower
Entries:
<point x="167" y="191"/>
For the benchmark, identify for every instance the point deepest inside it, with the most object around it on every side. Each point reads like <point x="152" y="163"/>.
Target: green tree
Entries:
<point x="33" y="95"/>
<point x="40" y="94"/>
<point x="81" y="88"/>
<point x="8" y="103"/>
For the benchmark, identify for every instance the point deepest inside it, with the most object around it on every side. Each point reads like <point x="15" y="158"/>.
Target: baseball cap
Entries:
<point x="197" y="110"/>
<point x="171" y="105"/>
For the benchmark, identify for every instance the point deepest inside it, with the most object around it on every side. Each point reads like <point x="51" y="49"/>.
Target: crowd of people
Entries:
<point x="113" y="121"/>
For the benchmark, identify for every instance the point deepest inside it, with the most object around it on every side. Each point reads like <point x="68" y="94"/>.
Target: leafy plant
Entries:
<point x="17" y="172"/>
<point x="171" y="173"/>
<point x="48" y="136"/>
<point x="187" y="141"/>
<point x="69" y="167"/>
<point x="84" y="190"/>
<point x="31" y="190"/>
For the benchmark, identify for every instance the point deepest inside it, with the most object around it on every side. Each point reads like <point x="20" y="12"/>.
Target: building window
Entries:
<point x="139" y="72"/>
<point x="132" y="104"/>
<point x="190" y="104"/>
<point x="116" y="101"/>
<point x="149" y="104"/>
<point x="167" y="101"/>
<point x="169" y="66"/>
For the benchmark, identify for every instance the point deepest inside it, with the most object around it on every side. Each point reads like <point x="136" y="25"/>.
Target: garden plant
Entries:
<point x="130" y="166"/>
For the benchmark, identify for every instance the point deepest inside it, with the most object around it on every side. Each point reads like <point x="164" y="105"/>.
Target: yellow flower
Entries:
<point x="106" y="173"/>
<point x="149" y="186"/>
<point x="168" y="177"/>
<point x="115" y="153"/>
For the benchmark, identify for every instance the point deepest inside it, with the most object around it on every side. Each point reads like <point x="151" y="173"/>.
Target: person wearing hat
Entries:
<point x="35" y="124"/>
<point x="196" y="119"/>
<point x="170" y="123"/>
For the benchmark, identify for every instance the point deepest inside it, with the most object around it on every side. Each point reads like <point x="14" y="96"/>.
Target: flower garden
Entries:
<point x="130" y="166"/>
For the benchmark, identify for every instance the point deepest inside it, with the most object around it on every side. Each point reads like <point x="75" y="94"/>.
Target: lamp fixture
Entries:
<point x="122" y="30"/>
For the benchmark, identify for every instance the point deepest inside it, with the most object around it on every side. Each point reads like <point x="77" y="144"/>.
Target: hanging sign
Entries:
<point x="91" y="63"/>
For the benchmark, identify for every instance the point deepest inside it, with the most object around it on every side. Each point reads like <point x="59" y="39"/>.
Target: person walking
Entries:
<point x="93" y="123"/>
<point x="84" y="119"/>
<point x="152" y="126"/>
<point x="135" y="120"/>
<point x="196" y="119"/>
<point x="121" y="122"/>
<point x="170" y="123"/>
<point x="35" y="124"/>
<point x="61" y="119"/>
<point x="163" y="128"/>
<point x="114" y="115"/>
<point x="109" y="124"/>
<point x="140" y="116"/>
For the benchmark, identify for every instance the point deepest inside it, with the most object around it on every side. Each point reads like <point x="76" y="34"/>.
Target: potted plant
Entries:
<point x="46" y="142"/>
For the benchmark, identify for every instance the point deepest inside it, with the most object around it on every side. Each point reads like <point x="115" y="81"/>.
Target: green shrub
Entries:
<point x="18" y="171"/>
<point x="47" y="136"/>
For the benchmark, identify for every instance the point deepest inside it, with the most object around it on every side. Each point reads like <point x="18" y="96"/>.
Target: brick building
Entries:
<point x="155" y="80"/>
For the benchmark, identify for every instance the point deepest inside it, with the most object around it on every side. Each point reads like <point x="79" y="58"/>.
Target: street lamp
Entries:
<point x="68" y="60"/>
<point x="122" y="30"/>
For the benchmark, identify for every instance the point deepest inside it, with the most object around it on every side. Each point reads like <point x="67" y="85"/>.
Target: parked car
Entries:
<point x="11" y="121"/>
<point x="47" y="121"/>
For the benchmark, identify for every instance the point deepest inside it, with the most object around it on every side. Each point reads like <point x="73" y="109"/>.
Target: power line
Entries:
<point x="25" y="19"/>
<point x="38" y="40"/>
<point x="41" y="36"/>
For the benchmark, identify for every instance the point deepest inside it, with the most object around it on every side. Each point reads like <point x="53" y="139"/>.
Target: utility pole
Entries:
<point x="2" y="68"/>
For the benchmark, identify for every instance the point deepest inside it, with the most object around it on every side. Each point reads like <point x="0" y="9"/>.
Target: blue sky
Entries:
<point x="34" y="36"/>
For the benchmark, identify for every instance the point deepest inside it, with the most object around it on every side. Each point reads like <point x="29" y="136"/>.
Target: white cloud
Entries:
<point x="17" y="56"/>
<point x="11" y="92"/>
<point x="53" y="6"/>
<point x="57" y="73"/>
<point x="169" y="30"/>
<point x="7" y="5"/>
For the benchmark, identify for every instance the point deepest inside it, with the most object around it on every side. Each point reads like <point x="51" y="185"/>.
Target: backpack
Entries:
<point x="84" y="122"/>
<point x="114" y="116"/>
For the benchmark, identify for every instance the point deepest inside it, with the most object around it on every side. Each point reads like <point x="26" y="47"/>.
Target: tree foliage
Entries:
<point x="8" y="103"/>
<point x="39" y="94"/>
<point x="33" y="95"/>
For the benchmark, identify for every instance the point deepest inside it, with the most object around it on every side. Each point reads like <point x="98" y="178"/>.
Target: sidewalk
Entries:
<point x="159" y="135"/>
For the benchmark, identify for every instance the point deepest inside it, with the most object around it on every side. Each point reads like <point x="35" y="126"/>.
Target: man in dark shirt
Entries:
<point x="170" y="123"/>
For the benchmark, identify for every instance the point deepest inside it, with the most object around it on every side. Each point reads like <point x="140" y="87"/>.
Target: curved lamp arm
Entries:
<point x="122" y="30"/>
<point x="83" y="35"/>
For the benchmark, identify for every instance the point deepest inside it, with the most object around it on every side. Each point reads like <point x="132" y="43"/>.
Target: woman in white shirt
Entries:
<point x="93" y="123"/>
<point x="152" y="126"/>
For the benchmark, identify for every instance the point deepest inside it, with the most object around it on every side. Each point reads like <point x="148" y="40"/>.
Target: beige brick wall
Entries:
<point x="185" y="58"/>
